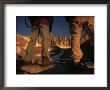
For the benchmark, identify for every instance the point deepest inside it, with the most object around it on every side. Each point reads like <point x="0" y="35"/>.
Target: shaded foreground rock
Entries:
<point x="35" y="68"/>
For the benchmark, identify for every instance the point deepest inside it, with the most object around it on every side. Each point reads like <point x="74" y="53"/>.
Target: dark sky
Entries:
<point x="59" y="28"/>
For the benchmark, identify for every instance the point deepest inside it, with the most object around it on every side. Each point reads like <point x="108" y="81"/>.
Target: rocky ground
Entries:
<point x="59" y="67"/>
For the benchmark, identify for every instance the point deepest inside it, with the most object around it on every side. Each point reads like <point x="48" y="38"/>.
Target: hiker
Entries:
<point x="77" y="24"/>
<point x="40" y="25"/>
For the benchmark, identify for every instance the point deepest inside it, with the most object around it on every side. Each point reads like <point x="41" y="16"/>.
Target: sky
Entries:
<point x="59" y="27"/>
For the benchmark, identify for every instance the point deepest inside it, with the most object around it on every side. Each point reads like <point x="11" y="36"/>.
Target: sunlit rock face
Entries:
<point x="22" y="43"/>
